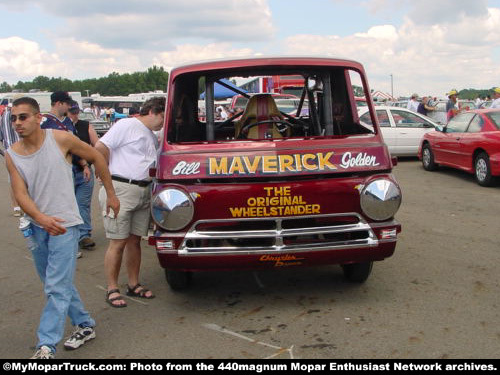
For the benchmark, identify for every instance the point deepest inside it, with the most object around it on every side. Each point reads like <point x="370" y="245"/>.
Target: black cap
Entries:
<point x="60" y="96"/>
<point x="74" y="106"/>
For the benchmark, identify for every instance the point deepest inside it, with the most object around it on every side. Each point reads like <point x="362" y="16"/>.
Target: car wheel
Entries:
<point x="428" y="158"/>
<point x="482" y="169"/>
<point x="357" y="272"/>
<point x="178" y="280"/>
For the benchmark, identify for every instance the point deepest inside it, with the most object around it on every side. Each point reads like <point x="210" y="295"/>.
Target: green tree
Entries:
<point x="155" y="78"/>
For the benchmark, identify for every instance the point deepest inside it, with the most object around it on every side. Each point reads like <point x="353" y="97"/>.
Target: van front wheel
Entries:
<point x="357" y="272"/>
<point x="178" y="280"/>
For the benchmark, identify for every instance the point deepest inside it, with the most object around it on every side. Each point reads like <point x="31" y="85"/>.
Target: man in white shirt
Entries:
<point x="413" y="103"/>
<point x="496" y="96"/>
<point x="130" y="147"/>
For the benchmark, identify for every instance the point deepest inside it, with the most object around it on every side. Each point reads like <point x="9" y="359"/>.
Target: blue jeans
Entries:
<point x="83" y="193"/>
<point x="55" y="262"/>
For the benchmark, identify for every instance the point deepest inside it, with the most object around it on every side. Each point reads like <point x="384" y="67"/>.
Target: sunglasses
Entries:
<point x="21" y="117"/>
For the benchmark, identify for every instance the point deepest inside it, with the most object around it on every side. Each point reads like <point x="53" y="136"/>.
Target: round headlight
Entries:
<point x="172" y="209"/>
<point x="380" y="199"/>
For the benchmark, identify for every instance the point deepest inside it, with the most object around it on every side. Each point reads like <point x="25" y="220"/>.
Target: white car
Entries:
<point x="401" y="128"/>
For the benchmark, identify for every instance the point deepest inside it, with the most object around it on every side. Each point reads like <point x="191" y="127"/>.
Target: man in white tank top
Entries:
<point x="45" y="192"/>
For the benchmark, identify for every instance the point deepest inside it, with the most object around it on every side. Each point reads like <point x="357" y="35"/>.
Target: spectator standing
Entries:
<point x="424" y="107"/>
<point x="451" y="105"/>
<point x="45" y="192"/>
<point x="413" y="103"/>
<point x="496" y="97"/>
<point x="9" y="137"/>
<point x="130" y="147"/>
<point x="56" y="119"/>
<point x="479" y="101"/>
<point x="85" y="183"/>
<point x="222" y="114"/>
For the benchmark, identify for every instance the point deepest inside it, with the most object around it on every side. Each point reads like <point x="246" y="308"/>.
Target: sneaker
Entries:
<point x="79" y="337"/>
<point x="79" y="255"/>
<point x="44" y="352"/>
<point x="86" y="243"/>
<point x="18" y="212"/>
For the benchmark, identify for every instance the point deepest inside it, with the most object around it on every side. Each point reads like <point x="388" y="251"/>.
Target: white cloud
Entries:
<point x="157" y="24"/>
<point x="422" y="58"/>
<point x="22" y="59"/>
<point x="192" y="52"/>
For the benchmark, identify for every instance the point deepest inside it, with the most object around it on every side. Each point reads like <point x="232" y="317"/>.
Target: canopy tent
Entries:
<point x="222" y="92"/>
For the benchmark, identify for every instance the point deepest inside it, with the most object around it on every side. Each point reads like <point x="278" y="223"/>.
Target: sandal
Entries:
<point x="131" y="291"/>
<point x="111" y="300"/>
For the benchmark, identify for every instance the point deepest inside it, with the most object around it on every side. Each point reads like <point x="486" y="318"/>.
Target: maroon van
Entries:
<point x="265" y="189"/>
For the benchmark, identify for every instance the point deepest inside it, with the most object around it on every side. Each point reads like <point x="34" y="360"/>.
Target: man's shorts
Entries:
<point x="134" y="215"/>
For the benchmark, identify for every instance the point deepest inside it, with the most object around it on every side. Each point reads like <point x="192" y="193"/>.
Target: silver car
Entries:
<point x="401" y="128"/>
<point x="100" y="126"/>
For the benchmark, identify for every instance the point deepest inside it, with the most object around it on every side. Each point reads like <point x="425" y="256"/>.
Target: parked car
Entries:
<point x="291" y="106"/>
<point x="101" y="126"/>
<point x="267" y="190"/>
<point x="239" y="101"/>
<point x="466" y="105"/>
<point x="470" y="142"/>
<point x="439" y="115"/>
<point x="401" y="128"/>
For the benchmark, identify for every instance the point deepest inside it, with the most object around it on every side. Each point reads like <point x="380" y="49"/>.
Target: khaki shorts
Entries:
<point x="134" y="215"/>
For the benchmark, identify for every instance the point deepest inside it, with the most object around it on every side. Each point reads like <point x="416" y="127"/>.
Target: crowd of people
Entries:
<point x="56" y="198"/>
<point x="428" y="104"/>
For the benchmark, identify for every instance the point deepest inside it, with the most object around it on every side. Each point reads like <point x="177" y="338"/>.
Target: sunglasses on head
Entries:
<point x="21" y="117"/>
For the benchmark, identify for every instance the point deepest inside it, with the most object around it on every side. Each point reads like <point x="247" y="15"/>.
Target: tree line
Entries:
<point x="155" y="78"/>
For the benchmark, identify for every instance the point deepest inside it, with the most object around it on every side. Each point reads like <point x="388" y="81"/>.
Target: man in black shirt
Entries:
<point x="84" y="182"/>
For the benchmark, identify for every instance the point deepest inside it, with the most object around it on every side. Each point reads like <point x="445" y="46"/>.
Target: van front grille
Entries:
<point x="283" y="234"/>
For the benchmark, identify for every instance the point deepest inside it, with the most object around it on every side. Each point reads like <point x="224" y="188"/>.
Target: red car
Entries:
<point x="264" y="189"/>
<point x="470" y="141"/>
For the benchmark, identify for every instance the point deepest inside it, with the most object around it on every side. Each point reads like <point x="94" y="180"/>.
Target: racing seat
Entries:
<point x="260" y="107"/>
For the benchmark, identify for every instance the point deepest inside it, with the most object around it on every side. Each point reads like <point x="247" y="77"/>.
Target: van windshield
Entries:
<point x="237" y="106"/>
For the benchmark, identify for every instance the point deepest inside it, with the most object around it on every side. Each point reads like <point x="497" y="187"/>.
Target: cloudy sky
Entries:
<point x="429" y="46"/>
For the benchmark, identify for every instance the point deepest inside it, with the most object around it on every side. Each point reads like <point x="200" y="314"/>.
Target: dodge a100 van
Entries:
<point x="266" y="189"/>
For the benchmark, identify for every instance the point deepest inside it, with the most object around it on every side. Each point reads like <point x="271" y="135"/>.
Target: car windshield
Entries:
<point x="495" y="118"/>
<point x="87" y="116"/>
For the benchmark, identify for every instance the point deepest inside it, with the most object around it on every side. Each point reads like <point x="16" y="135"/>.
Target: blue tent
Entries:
<point x="221" y="92"/>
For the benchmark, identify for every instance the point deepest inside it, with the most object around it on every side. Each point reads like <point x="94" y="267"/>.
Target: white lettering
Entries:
<point x="186" y="168"/>
<point x="361" y="160"/>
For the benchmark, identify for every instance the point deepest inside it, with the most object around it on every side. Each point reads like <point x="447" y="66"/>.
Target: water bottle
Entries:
<point x="27" y="231"/>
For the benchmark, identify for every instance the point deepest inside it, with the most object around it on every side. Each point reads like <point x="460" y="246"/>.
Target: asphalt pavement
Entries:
<point x="437" y="297"/>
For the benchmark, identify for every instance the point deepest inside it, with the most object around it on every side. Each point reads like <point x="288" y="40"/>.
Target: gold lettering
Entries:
<point x="237" y="166"/>
<point x="305" y="159"/>
<point x="324" y="161"/>
<point x="216" y="168"/>
<point x="298" y="163"/>
<point x="286" y="163"/>
<point x="252" y="165"/>
<point x="269" y="164"/>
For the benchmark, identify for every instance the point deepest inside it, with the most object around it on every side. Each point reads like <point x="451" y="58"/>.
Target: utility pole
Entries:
<point x="392" y="86"/>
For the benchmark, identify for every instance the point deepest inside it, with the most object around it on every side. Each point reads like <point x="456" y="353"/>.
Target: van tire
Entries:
<point x="357" y="272"/>
<point x="178" y="280"/>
